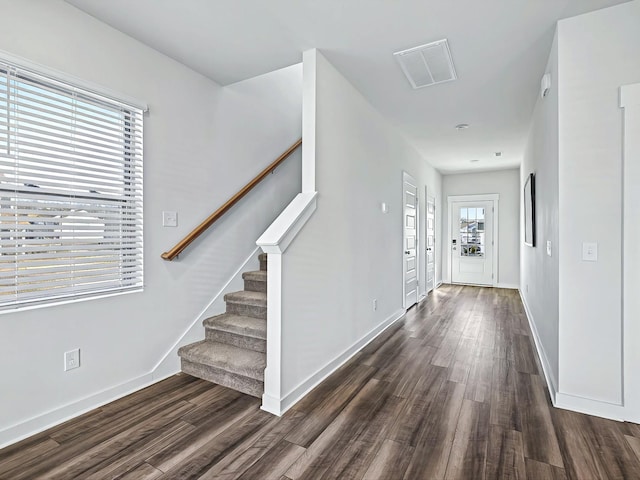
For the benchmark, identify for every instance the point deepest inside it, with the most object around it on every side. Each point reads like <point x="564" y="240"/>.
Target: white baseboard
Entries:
<point x="542" y="354"/>
<point x="590" y="407"/>
<point x="168" y="365"/>
<point x="279" y="407"/>
<point x="510" y="286"/>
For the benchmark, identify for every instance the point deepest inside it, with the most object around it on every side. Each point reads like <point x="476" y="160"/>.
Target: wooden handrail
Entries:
<point x="211" y="219"/>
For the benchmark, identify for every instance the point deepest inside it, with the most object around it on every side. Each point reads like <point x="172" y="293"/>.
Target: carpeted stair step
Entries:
<point x="249" y="304"/>
<point x="263" y="261"/>
<point x="239" y="331"/>
<point x="255" y="281"/>
<point x="226" y="365"/>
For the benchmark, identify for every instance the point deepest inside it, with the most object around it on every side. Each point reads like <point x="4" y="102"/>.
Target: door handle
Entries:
<point x="407" y="252"/>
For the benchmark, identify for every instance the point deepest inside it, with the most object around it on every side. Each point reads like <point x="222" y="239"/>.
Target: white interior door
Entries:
<point x="431" y="243"/>
<point x="472" y="243"/>
<point x="410" y="239"/>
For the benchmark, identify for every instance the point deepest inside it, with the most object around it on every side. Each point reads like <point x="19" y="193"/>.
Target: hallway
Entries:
<point x="453" y="391"/>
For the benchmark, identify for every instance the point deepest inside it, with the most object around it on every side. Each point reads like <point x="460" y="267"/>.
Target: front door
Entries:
<point x="431" y="243"/>
<point x="472" y="243"/>
<point x="410" y="239"/>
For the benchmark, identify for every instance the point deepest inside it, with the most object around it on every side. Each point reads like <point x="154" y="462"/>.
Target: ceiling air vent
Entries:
<point x="427" y="64"/>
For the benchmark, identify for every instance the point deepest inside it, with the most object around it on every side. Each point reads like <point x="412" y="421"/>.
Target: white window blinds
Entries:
<point x="70" y="191"/>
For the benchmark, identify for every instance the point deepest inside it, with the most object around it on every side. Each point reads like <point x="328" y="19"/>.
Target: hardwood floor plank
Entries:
<point x="204" y="433"/>
<point x="391" y="461"/>
<point x="634" y="443"/>
<point x="135" y="454"/>
<point x="431" y="455"/>
<point x="505" y="455"/>
<point x="204" y="458"/>
<point x="245" y="454"/>
<point x="329" y="405"/>
<point x="411" y="421"/>
<point x="540" y="440"/>
<point x="143" y="472"/>
<point x="504" y="407"/>
<point x="524" y="357"/>
<point x="611" y="444"/>
<point x="543" y="471"/>
<point x="350" y="426"/>
<point x="479" y="379"/>
<point x="275" y="462"/>
<point x="361" y="451"/>
<point x="15" y="459"/>
<point x="580" y="454"/>
<point x="469" y="450"/>
<point x="462" y="359"/>
<point x="78" y="465"/>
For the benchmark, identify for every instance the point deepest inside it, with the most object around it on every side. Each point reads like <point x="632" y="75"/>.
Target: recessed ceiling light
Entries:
<point x="475" y="160"/>
<point x="462" y="126"/>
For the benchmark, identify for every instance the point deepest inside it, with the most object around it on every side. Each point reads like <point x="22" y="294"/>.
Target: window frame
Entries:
<point x="130" y="200"/>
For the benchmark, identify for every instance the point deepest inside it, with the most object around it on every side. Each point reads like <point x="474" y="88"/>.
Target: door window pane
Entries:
<point x="472" y="234"/>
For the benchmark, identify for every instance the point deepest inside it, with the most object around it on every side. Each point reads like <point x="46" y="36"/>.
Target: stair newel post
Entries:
<point x="271" y="399"/>
<point x="274" y="242"/>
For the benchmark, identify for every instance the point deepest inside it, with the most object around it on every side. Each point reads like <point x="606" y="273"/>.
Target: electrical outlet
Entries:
<point x="375" y="304"/>
<point x="71" y="359"/>
<point x="590" y="251"/>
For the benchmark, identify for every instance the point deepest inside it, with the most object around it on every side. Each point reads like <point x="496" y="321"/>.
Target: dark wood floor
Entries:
<point x="452" y="391"/>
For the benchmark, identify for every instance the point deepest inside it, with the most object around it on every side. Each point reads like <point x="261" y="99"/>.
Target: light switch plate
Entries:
<point x="549" y="247"/>
<point x="590" y="251"/>
<point x="169" y="219"/>
<point x="71" y="359"/>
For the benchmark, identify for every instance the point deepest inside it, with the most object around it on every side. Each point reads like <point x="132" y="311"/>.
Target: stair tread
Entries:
<point x="258" y="299"/>
<point x="238" y="324"/>
<point x="225" y="357"/>
<point x="258" y="275"/>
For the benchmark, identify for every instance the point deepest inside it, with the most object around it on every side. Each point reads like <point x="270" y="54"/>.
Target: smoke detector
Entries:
<point x="427" y="64"/>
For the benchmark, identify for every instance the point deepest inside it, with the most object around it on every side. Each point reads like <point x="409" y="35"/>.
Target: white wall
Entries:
<point x="575" y="149"/>
<point x="539" y="278"/>
<point x="202" y="143"/>
<point x="506" y="183"/>
<point x="598" y="52"/>
<point x="349" y="252"/>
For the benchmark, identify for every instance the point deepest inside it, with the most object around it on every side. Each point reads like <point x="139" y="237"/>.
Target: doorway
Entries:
<point x="473" y="235"/>
<point x="430" y="237"/>
<point x="409" y="240"/>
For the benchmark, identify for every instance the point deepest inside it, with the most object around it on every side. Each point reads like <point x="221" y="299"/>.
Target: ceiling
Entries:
<point x="499" y="48"/>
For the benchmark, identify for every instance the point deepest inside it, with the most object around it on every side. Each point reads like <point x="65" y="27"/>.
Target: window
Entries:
<point x="472" y="232"/>
<point x="70" y="191"/>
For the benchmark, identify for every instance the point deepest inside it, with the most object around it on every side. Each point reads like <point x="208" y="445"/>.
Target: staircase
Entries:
<point x="233" y="353"/>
